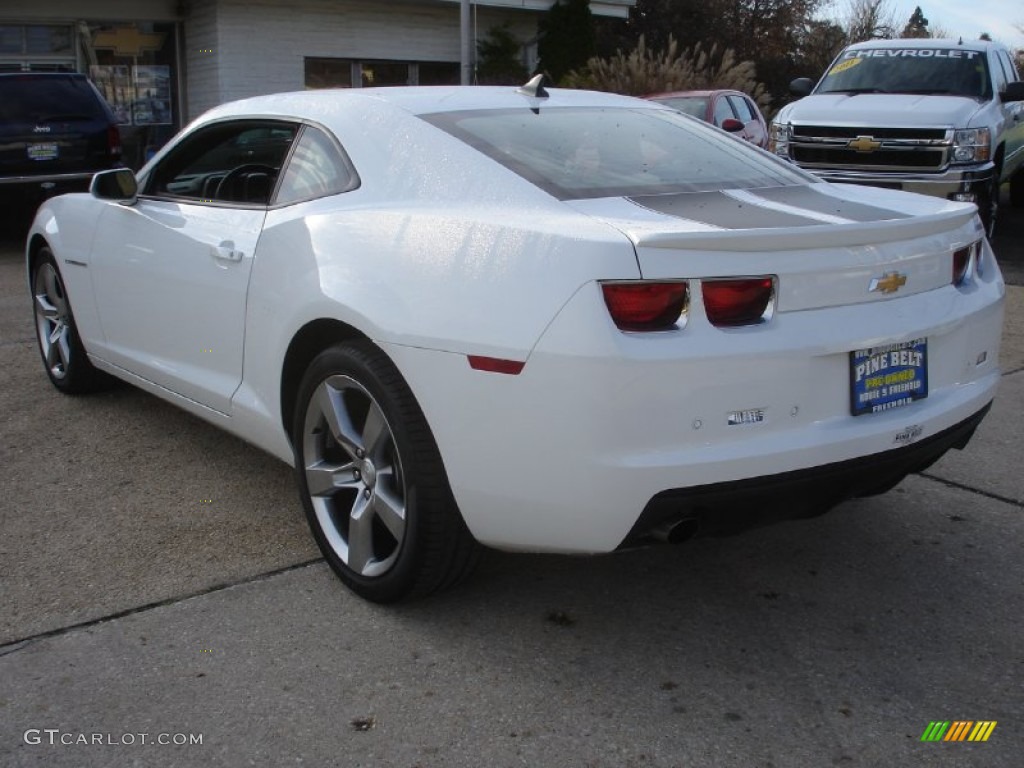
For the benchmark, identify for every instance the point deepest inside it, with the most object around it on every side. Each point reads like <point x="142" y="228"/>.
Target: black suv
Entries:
<point x="56" y="131"/>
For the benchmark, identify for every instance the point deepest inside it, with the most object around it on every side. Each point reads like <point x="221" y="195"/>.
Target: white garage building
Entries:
<point x="162" y="62"/>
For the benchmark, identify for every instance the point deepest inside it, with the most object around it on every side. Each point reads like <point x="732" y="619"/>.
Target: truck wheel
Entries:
<point x="988" y="206"/>
<point x="1017" y="189"/>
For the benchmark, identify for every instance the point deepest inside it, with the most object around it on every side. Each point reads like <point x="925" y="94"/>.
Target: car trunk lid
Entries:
<point x="827" y="244"/>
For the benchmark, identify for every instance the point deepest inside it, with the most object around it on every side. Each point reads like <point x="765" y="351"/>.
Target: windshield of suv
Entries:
<point x="928" y="71"/>
<point x="577" y="153"/>
<point x="29" y="99"/>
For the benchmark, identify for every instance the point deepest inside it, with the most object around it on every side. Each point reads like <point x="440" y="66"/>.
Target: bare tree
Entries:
<point x="869" y="20"/>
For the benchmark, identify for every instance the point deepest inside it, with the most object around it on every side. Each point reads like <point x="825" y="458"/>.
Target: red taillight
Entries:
<point x="729" y="303"/>
<point x="495" y="364"/>
<point x="114" y="141"/>
<point x="961" y="264"/>
<point x="646" y="306"/>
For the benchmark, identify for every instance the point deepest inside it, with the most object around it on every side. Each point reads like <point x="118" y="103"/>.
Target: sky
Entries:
<point x="968" y="18"/>
<point x="972" y="17"/>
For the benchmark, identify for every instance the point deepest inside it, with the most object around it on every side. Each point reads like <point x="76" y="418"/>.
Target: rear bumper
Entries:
<point x="722" y="509"/>
<point x="566" y="456"/>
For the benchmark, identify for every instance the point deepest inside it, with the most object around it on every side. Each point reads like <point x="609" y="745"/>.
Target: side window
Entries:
<point x="999" y="75"/>
<point x="742" y="108"/>
<point x="1007" y="62"/>
<point x="1015" y="73"/>
<point x="316" y="168"/>
<point x="722" y="111"/>
<point x="233" y="162"/>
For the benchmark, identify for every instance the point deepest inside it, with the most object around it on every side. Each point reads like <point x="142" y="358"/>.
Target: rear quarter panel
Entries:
<point x="440" y="248"/>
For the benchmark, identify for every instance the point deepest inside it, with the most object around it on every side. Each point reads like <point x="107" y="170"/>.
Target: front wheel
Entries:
<point x="61" y="348"/>
<point x="373" y="485"/>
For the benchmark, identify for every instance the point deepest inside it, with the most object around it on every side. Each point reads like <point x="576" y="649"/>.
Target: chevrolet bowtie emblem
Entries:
<point x="890" y="282"/>
<point x="864" y="144"/>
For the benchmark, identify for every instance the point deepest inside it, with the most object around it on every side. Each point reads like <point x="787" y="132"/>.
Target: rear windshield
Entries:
<point x="929" y="71"/>
<point x="586" y="152"/>
<point x="26" y="99"/>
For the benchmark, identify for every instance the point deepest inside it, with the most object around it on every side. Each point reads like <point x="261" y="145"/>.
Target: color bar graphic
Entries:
<point x="982" y="730"/>
<point x="958" y="730"/>
<point x="935" y="731"/>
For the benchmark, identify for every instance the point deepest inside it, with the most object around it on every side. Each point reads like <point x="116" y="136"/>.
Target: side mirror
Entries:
<point x="118" y="184"/>
<point x="802" y="86"/>
<point x="1013" y="92"/>
<point x="732" y="125"/>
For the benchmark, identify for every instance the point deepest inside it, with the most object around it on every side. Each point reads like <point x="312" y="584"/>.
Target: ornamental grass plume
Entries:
<point x="643" y="71"/>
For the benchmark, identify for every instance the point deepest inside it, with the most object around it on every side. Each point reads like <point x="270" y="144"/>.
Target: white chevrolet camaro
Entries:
<point x="535" y="320"/>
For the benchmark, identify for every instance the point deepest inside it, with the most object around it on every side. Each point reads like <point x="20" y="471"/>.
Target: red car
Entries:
<point x="731" y="111"/>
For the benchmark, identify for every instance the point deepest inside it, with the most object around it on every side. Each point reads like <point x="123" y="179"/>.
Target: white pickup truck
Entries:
<point x="939" y="117"/>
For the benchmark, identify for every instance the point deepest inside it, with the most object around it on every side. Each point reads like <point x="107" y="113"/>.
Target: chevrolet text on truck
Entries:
<point x="939" y="117"/>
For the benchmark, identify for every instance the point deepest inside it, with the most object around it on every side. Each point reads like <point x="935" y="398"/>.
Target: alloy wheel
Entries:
<point x="354" y="476"/>
<point x="53" y="320"/>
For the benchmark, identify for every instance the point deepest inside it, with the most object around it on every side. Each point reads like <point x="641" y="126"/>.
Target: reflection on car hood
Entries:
<point x="890" y="110"/>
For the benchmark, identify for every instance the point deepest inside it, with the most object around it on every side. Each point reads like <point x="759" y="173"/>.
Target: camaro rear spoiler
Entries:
<point x="823" y="235"/>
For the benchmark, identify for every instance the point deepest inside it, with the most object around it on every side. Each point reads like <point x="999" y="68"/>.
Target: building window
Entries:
<point x="440" y="73"/>
<point x="134" y="65"/>
<point x="377" y="73"/>
<point x="328" y="73"/>
<point x="39" y="47"/>
<point x="36" y="39"/>
<point x="356" y="73"/>
<point x="47" y="40"/>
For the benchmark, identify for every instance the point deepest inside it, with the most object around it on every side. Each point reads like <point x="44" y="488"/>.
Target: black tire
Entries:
<point x="1017" y="189"/>
<point x="60" y="346"/>
<point x="365" y="457"/>
<point x="988" y="205"/>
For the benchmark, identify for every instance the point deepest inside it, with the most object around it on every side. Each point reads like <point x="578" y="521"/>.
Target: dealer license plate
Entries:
<point x="43" y="151"/>
<point x="888" y="377"/>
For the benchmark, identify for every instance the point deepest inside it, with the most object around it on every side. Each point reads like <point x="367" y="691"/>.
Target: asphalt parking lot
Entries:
<point x="158" y="581"/>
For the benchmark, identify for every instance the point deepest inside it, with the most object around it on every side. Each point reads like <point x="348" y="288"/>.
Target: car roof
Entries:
<point x="417" y="100"/>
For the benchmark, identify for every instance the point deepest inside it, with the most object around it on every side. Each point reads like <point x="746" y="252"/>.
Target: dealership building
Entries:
<point x="161" y="63"/>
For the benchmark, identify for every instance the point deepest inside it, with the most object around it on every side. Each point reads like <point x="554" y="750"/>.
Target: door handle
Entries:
<point x="226" y="252"/>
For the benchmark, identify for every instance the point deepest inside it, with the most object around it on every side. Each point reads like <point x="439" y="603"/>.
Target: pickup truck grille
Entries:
<point x="884" y="149"/>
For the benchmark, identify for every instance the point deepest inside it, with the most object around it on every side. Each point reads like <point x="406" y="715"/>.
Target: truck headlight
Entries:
<point x="972" y="145"/>
<point x="778" y="139"/>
